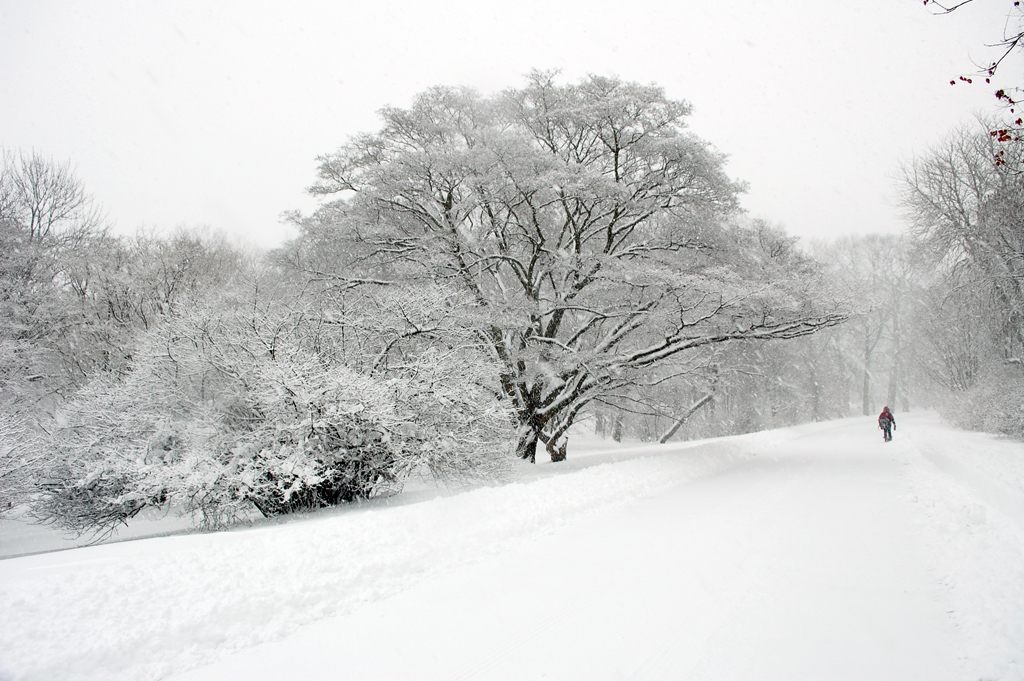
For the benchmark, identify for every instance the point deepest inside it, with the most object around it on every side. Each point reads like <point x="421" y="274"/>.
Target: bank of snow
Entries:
<point x="147" y="608"/>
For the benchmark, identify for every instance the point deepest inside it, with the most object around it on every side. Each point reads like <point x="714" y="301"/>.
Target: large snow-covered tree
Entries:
<point x="965" y="203"/>
<point x="588" y="226"/>
<point x="967" y="207"/>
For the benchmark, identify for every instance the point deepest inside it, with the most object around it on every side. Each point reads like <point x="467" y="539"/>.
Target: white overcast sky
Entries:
<point x="212" y="113"/>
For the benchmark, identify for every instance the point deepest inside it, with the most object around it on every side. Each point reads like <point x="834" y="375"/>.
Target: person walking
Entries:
<point x="887" y="422"/>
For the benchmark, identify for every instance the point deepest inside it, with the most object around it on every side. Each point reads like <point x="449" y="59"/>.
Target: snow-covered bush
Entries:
<point x="994" y="403"/>
<point x="214" y="421"/>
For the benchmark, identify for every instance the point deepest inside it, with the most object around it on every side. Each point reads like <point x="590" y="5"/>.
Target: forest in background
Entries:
<point x="484" y="273"/>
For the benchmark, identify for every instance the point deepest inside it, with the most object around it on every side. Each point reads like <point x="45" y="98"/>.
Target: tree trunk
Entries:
<point x="682" y="419"/>
<point x="815" y="391"/>
<point x="557" y="451"/>
<point x="894" y="382"/>
<point x="529" y="438"/>
<point x="526" y="448"/>
<point x="866" y="391"/>
<point x="894" y="375"/>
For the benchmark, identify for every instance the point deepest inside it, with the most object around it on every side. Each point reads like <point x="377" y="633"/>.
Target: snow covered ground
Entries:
<point x="805" y="553"/>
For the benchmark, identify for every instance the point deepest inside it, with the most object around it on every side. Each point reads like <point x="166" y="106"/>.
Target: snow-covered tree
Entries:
<point x="21" y="457"/>
<point x="954" y="333"/>
<point x="965" y="204"/>
<point x="46" y="218"/>
<point x="969" y="210"/>
<point x="588" y="227"/>
<point x="858" y="265"/>
<point x="879" y="276"/>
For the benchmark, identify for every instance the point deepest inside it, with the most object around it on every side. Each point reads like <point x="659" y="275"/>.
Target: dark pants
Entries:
<point x="886" y="429"/>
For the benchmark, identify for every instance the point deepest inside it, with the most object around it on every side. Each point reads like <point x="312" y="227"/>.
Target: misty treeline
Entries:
<point x="483" y="273"/>
<point x="937" y="315"/>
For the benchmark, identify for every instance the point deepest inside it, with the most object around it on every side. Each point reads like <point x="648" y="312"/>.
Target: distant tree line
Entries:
<point x="936" y="316"/>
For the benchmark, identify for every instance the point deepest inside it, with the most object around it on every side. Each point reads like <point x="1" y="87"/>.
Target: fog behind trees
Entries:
<point x="486" y="276"/>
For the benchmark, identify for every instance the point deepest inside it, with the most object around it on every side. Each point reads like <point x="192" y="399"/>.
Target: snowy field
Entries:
<point x="814" y="552"/>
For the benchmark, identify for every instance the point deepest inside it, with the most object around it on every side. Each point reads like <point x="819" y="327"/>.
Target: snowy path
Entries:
<point x="811" y="552"/>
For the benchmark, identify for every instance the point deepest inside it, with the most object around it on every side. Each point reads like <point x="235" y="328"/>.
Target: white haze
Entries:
<point x="194" y="113"/>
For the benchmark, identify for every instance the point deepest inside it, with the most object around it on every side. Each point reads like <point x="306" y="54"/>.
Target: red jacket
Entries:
<point x="886" y="414"/>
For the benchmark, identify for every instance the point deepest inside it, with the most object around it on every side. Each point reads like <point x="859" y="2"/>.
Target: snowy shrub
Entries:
<point x="995" y="404"/>
<point x="20" y="456"/>
<point x="97" y="475"/>
<point x="211" y="421"/>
